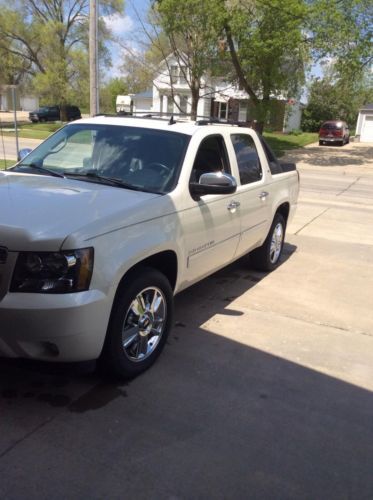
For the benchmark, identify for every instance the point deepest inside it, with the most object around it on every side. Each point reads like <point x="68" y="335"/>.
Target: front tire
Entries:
<point x="140" y="322"/>
<point x="267" y="257"/>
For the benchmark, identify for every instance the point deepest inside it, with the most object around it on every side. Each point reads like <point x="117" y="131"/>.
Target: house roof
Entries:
<point x="147" y="94"/>
<point x="367" y="107"/>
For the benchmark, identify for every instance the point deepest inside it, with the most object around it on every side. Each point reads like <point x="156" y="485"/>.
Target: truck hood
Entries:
<point x="40" y="212"/>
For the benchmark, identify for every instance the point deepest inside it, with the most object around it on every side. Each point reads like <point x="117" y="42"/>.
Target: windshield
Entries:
<point x="331" y="126"/>
<point x="145" y="159"/>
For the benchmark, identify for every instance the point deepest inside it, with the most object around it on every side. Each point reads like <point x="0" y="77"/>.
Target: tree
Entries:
<point x="109" y="92"/>
<point x="193" y="40"/>
<point x="331" y="99"/>
<point x="340" y="33"/>
<point x="342" y="30"/>
<point x="266" y="47"/>
<point x="50" y="37"/>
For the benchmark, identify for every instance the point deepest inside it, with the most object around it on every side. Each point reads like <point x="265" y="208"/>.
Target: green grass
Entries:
<point x="6" y="163"/>
<point x="33" y="130"/>
<point x="280" y="143"/>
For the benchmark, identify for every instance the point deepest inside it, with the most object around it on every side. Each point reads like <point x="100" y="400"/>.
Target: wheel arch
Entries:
<point x="284" y="210"/>
<point x="164" y="261"/>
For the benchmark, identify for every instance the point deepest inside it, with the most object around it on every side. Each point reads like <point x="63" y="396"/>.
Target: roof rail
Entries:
<point x="173" y="118"/>
<point x="217" y="121"/>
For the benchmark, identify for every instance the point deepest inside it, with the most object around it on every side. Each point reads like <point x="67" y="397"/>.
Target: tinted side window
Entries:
<point x="247" y="158"/>
<point x="211" y="157"/>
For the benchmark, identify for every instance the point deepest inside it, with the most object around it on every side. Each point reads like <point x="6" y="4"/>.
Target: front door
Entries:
<point x="212" y="226"/>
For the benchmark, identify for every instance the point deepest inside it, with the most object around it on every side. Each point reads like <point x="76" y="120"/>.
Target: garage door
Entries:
<point x="367" y="130"/>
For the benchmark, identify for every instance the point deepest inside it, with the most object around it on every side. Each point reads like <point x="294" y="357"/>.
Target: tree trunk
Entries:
<point x="63" y="111"/>
<point x="259" y="127"/>
<point x="195" y="100"/>
<point x="263" y="109"/>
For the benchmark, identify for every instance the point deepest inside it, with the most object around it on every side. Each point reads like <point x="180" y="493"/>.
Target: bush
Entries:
<point x="296" y="131"/>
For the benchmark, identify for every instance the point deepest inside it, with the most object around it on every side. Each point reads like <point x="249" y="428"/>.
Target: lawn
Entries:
<point x="33" y="130"/>
<point x="6" y="163"/>
<point x="280" y="143"/>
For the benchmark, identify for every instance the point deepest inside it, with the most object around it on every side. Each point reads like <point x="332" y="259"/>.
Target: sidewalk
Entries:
<point x="8" y="117"/>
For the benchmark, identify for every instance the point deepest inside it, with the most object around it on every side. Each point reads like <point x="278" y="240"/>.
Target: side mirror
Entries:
<point x="213" y="183"/>
<point x="23" y="152"/>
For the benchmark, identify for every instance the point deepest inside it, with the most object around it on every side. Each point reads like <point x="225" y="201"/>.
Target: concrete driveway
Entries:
<point x="264" y="390"/>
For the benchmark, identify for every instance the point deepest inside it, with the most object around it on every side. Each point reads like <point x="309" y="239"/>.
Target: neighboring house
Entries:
<point x="364" y="126"/>
<point x="171" y="94"/>
<point x="143" y="102"/>
<point x="24" y="102"/>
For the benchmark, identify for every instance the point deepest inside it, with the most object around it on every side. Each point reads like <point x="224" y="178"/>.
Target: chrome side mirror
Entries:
<point x="213" y="183"/>
<point x="218" y="179"/>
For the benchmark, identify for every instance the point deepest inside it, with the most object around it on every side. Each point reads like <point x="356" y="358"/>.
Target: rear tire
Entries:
<point x="267" y="257"/>
<point x="140" y="322"/>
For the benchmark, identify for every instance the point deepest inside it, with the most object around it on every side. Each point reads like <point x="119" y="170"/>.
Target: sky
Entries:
<point x="124" y="26"/>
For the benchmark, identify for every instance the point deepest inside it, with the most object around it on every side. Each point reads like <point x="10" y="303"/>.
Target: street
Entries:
<point x="264" y="390"/>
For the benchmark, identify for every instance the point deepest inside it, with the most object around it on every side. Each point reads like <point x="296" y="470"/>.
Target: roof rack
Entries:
<point x="217" y="121"/>
<point x="157" y="115"/>
<point x="170" y="117"/>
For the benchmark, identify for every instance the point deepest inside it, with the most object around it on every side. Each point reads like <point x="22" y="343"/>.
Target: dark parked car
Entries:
<point x="334" y="132"/>
<point x="52" y="113"/>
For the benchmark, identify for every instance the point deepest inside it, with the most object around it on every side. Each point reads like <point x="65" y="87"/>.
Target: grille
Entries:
<point x="3" y="255"/>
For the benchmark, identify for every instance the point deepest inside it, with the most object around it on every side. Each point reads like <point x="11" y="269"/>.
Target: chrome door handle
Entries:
<point x="263" y="195"/>
<point x="233" y="205"/>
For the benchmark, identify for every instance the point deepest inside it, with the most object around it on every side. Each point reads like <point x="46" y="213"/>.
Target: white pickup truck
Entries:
<point x="110" y="217"/>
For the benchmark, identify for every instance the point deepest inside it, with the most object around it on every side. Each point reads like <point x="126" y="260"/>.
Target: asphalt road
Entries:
<point x="263" y="391"/>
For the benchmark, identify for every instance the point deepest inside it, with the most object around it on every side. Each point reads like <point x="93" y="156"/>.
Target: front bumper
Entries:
<point x="63" y="327"/>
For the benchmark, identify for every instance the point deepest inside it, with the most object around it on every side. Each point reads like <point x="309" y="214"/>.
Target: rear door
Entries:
<point x="254" y="198"/>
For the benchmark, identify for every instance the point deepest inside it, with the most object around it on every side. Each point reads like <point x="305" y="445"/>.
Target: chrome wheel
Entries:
<point x="276" y="243"/>
<point x="144" y="324"/>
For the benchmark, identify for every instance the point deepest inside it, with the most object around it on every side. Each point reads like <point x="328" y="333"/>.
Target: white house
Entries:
<point x="220" y="99"/>
<point x="364" y="126"/>
<point x="143" y="102"/>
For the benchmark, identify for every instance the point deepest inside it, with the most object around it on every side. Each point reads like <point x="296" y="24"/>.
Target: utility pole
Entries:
<point x="15" y="117"/>
<point x="93" y="58"/>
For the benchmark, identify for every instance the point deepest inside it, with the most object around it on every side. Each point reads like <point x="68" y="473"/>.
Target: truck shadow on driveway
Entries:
<point x="213" y="418"/>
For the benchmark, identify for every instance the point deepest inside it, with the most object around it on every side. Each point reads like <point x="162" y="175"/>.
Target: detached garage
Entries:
<point x="364" y="127"/>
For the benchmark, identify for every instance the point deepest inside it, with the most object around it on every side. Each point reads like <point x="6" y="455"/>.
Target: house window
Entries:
<point x="182" y="76"/>
<point x="223" y="110"/>
<point x="174" y="72"/>
<point x="170" y="105"/>
<point x="242" y="111"/>
<point x="183" y="104"/>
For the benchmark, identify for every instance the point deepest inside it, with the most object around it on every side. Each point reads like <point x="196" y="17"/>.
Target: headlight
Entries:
<point x="53" y="272"/>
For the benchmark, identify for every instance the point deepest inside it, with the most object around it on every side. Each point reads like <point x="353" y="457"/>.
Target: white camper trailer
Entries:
<point x="124" y="104"/>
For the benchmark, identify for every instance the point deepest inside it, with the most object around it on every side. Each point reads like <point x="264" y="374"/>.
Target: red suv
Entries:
<point x="334" y="132"/>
